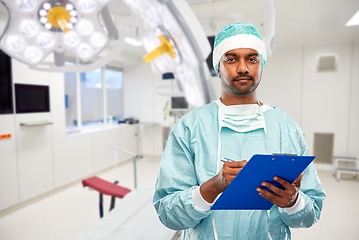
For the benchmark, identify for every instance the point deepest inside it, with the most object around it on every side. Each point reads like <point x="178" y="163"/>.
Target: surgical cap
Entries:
<point x="238" y="35"/>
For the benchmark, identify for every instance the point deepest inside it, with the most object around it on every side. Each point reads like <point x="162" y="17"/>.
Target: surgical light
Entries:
<point x="47" y="6"/>
<point x="98" y="39"/>
<point x="26" y="5"/>
<point x="43" y="12"/>
<point x="46" y="40"/>
<point x="71" y="39"/>
<point x="86" y="6"/>
<point x="48" y="26"/>
<point x="37" y="28"/>
<point x="33" y="54"/>
<point x="85" y="51"/>
<point x="16" y="43"/>
<point x="85" y="27"/>
<point x="43" y="20"/>
<point x="29" y="28"/>
<point x="73" y="13"/>
<point x="69" y="6"/>
<point x="176" y="43"/>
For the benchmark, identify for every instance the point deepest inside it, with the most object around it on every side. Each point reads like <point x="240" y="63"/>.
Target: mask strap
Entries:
<point x="269" y="236"/>
<point x="265" y="136"/>
<point x="219" y="140"/>
<point x="214" y="227"/>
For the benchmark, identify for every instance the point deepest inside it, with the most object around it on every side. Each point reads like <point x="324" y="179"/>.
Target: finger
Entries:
<point x="275" y="199"/>
<point x="231" y="171"/>
<point x="236" y="164"/>
<point x="275" y="189"/>
<point x="283" y="182"/>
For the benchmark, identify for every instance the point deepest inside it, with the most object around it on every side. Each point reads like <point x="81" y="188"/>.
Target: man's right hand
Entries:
<point x="214" y="186"/>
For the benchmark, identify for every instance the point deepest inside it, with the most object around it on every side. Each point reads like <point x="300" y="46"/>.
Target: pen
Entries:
<point x="227" y="160"/>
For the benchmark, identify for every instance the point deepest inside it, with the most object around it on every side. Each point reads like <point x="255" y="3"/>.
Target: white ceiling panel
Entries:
<point x="297" y="22"/>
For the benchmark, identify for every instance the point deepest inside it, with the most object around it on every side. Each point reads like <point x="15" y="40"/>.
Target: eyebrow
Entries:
<point x="235" y="55"/>
<point x="253" y="54"/>
<point x="230" y="54"/>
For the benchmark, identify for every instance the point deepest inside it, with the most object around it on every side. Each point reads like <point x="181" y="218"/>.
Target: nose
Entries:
<point x="242" y="66"/>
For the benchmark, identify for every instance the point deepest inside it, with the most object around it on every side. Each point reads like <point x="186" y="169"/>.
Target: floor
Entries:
<point x="66" y="213"/>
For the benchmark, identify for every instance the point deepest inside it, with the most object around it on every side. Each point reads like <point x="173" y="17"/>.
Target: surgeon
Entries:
<point x="236" y="126"/>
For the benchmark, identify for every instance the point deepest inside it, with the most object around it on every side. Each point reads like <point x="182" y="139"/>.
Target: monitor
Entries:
<point x="32" y="98"/>
<point x="179" y="104"/>
<point x="6" y="101"/>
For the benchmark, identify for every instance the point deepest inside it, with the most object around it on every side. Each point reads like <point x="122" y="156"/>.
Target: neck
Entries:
<point x="228" y="99"/>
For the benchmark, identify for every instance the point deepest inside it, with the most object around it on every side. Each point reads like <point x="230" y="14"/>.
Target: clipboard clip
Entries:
<point x="286" y="154"/>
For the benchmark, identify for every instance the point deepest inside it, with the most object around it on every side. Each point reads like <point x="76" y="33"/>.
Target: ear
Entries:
<point x="219" y="73"/>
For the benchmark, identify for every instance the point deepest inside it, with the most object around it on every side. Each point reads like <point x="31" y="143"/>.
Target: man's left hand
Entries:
<point x="282" y="198"/>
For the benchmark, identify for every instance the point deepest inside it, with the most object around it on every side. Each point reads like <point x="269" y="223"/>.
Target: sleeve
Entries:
<point x="173" y="198"/>
<point x="311" y="190"/>
<point x="299" y="205"/>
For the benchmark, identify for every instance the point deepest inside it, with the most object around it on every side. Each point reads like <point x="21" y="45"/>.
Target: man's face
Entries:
<point x="240" y="71"/>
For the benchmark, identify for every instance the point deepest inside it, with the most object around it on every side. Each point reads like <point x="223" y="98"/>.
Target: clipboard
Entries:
<point x="241" y="193"/>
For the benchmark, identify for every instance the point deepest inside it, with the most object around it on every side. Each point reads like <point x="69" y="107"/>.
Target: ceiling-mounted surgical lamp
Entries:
<point x="269" y="26"/>
<point x="176" y="42"/>
<point x="38" y="28"/>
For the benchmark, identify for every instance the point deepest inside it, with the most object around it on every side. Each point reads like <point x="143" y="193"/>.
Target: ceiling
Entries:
<point x="297" y="22"/>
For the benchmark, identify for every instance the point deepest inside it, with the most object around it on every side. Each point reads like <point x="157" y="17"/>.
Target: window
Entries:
<point x="88" y="103"/>
<point x="114" y="93"/>
<point x="92" y="98"/>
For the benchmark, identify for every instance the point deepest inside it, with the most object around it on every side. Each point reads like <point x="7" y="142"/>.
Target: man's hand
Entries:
<point x="214" y="186"/>
<point x="228" y="172"/>
<point x="282" y="198"/>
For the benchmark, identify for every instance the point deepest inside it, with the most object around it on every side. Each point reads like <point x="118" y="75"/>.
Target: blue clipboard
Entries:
<point x="241" y="193"/>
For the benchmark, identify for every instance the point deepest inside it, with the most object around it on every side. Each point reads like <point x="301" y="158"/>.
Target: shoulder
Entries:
<point x="288" y="125"/>
<point x="281" y="116"/>
<point x="208" y="110"/>
<point x="199" y="117"/>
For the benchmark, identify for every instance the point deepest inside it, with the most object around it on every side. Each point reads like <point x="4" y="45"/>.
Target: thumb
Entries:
<point x="298" y="180"/>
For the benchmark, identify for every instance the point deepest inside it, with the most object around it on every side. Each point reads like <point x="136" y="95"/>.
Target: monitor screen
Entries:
<point x="209" y="58"/>
<point x="168" y="76"/>
<point x="32" y="98"/>
<point x="6" y="105"/>
<point x="179" y="103"/>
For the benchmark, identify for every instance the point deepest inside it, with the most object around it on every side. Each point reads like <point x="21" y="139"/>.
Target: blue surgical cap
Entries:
<point x="238" y="35"/>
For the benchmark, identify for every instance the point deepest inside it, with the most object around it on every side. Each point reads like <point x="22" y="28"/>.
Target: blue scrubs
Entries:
<point x="190" y="159"/>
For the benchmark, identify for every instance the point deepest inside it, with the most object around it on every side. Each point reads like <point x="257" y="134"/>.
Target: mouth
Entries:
<point x="243" y="79"/>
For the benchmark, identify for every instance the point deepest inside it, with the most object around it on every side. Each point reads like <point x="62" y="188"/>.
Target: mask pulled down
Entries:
<point x="242" y="118"/>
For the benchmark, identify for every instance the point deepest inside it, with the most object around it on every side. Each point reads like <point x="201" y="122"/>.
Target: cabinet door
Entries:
<point x="34" y="155"/>
<point x="103" y="152"/>
<point x="129" y="141"/>
<point x="9" y="191"/>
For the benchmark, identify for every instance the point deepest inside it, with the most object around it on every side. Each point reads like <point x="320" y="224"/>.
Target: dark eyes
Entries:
<point x="230" y="60"/>
<point x="233" y="60"/>
<point x="253" y="60"/>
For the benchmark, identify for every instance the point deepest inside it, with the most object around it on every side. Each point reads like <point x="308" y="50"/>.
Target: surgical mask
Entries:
<point x="241" y="118"/>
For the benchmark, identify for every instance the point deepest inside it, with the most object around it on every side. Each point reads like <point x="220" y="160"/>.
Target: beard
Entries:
<point x="237" y="92"/>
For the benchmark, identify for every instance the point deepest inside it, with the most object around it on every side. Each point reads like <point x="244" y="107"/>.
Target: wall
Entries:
<point x="143" y="103"/>
<point x="319" y="102"/>
<point x="39" y="159"/>
<point x="353" y="138"/>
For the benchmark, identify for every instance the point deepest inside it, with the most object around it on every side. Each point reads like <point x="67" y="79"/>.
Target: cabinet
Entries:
<point x="34" y="153"/>
<point x="8" y="164"/>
